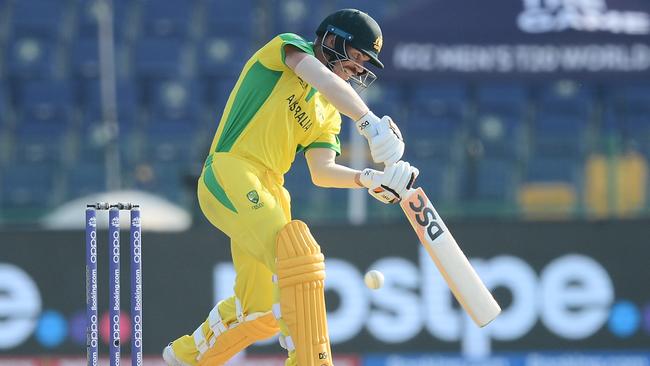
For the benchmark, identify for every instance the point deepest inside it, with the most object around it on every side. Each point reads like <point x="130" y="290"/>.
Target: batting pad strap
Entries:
<point x="215" y="321"/>
<point x="199" y="340"/>
<point x="287" y="343"/>
<point x="239" y="310"/>
<point x="276" y="311"/>
<point x="257" y="326"/>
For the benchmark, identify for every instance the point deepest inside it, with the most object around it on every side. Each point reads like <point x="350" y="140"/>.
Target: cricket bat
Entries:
<point x="454" y="266"/>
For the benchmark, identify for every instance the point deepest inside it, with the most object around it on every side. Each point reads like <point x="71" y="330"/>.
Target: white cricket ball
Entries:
<point x="374" y="279"/>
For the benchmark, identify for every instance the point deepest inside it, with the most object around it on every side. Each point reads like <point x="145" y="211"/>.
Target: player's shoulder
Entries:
<point x="294" y="39"/>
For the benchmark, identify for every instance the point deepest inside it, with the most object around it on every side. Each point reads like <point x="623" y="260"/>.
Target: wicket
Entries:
<point x="92" y="329"/>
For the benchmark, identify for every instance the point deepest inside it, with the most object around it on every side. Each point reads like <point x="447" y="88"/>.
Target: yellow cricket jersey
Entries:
<point x="272" y="114"/>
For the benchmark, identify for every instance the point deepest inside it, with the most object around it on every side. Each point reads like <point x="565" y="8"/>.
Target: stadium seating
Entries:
<point x="84" y="179"/>
<point x="225" y="18"/>
<point x="481" y="146"/>
<point x="19" y="189"/>
<point x="169" y="18"/>
<point x="506" y="101"/>
<point x="551" y="186"/>
<point x="159" y="57"/>
<point x="38" y="18"/>
<point x="89" y="12"/>
<point x="223" y="57"/>
<point x="297" y="16"/>
<point x="31" y="57"/>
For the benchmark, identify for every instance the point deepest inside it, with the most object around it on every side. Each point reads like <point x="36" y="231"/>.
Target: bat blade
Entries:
<point x="452" y="263"/>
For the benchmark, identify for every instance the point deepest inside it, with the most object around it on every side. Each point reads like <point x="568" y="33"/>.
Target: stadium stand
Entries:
<point x="482" y="147"/>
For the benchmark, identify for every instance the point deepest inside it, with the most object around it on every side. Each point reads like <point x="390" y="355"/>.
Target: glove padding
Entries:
<point x="371" y="179"/>
<point x="384" y="138"/>
<point x="399" y="177"/>
<point x="394" y="177"/>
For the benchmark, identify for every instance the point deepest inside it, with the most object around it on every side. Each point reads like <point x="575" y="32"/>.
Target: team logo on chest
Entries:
<point x="255" y="199"/>
<point x="299" y="112"/>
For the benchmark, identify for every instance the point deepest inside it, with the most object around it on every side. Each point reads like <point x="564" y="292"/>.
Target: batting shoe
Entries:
<point x="170" y="357"/>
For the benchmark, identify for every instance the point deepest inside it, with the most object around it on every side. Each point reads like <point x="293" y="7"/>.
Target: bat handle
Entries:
<point x="408" y="194"/>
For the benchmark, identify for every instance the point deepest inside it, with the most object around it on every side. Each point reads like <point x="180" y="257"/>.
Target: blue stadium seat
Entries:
<point x="171" y="141"/>
<point x="378" y="10"/>
<point x="496" y="180"/>
<point x="386" y="98"/>
<point x="84" y="58"/>
<point x="39" y="143"/>
<point x="224" y="56"/>
<point x="431" y="136"/>
<point x="38" y="17"/>
<point x="4" y="102"/>
<point x="437" y="178"/>
<point x="298" y="182"/>
<point x="92" y="145"/>
<point x="567" y="98"/>
<point x="612" y="122"/>
<point x="501" y="136"/>
<point x="85" y="178"/>
<point x="31" y="58"/>
<point x="560" y="136"/>
<point x="623" y="104"/>
<point x="127" y="100"/>
<point x="175" y="99"/>
<point x="45" y="101"/>
<point x="636" y="133"/>
<point x="20" y="189"/>
<point x="166" y="179"/>
<point x="159" y="57"/>
<point x="88" y="18"/>
<point x="230" y="18"/>
<point x="636" y="98"/>
<point x="448" y="100"/>
<point x="508" y="101"/>
<point x="300" y="16"/>
<point x="169" y="18"/>
<point x="543" y="169"/>
<point x="216" y="90"/>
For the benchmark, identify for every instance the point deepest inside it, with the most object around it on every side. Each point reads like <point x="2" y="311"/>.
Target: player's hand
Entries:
<point x="371" y="179"/>
<point x="399" y="178"/>
<point x="384" y="138"/>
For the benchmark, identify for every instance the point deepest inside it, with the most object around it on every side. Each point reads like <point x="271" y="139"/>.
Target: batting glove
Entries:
<point x="399" y="178"/>
<point x="384" y="138"/>
<point x="371" y="179"/>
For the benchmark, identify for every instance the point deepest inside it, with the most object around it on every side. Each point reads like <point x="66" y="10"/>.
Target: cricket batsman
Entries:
<point x="288" y="99"/>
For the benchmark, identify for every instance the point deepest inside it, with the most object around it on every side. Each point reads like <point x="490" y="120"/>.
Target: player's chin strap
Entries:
<point x="338" y="54"/>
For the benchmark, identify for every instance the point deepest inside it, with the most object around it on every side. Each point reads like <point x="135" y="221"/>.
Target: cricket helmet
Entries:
<point x="357" y="29"/>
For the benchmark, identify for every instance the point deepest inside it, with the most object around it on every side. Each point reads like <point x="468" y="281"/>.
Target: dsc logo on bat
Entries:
<point x="424" y="216"/>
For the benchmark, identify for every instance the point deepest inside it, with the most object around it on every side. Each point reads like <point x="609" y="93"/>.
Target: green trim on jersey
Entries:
<point x="296" y="40"/>
<point x="326" y="145"/>
<point x="310" y="94"/>
<point x="215" y="188"/>
<point x="253" y="91"/>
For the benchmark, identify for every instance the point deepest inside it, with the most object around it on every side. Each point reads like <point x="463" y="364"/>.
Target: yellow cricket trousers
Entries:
<point x="249" y="204"/>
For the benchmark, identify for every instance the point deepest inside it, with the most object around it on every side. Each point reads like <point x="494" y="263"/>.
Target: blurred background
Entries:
<point x="528" y="119"/>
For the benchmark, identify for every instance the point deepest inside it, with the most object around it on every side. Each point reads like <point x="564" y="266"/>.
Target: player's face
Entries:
<point x="353" y="66"/>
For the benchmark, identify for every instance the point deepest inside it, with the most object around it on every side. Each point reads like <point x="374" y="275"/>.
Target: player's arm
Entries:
<point x="325" y="172"/>
<point x="384" y="138"/>
<point x="387" y="186"/>
<point x="336" y="90"/>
